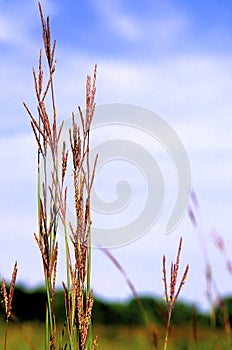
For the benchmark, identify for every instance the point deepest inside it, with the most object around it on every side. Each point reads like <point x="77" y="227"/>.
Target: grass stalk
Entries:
<point x="8" y="299"/>
<point x="52" y="196"/>
<point x="150" y="326"/>
<point x="172" y="294"/>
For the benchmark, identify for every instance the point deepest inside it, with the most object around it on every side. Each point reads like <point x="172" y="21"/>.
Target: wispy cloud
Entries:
<point x="14" y="28"/>
<point x="193" y="92"/>
<point x="154" y="29"/>
<point x="122" y="23"/>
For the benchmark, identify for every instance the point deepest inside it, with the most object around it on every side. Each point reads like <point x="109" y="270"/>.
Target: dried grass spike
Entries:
<point x="5" y="296"/>
<point x="12" y="285"/>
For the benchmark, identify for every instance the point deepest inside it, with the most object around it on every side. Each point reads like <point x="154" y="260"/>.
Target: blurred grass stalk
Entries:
<point x="211" y="285"/>
<point x="8" y="299"/>
<point x="52" y="197"/>
<point x="149" y="323"/>
<point x="170" y="294"/>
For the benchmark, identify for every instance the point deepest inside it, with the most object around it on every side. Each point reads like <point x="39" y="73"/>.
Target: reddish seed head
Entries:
<point x="218" y="240"/>
<point x="192" y="217"/>
<point x="229" y="266"/>
<point x="194" y="199"/>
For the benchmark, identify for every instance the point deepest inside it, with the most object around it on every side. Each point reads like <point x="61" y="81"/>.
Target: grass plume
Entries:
<point x="52" y="197"/>
<point x="171" y="294"/>
<point x="8" y="299"/>
<point x="152" y="327"/>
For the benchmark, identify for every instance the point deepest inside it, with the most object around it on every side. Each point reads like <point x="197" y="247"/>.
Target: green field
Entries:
<point x="30" y="336"/>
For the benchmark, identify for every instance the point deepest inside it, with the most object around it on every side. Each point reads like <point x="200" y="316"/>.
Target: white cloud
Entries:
<point x="193" y="93"/>
<point x="15" y="29"/>
<point x="158" y="30"/>
<point x="118" y="20"/>
<point x="19" y="52"/>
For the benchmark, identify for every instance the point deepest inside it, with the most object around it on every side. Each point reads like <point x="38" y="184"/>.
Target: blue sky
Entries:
<point x="172" y="57"/>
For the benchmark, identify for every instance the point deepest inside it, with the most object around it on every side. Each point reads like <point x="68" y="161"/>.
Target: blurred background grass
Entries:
<point x="119" y="325"/>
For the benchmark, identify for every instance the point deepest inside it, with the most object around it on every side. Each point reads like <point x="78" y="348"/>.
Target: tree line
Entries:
<point x="31" y="305"/>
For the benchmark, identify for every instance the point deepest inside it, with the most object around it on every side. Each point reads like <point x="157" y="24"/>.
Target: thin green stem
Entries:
<point x="49" y="309"/>
<point x="6" y="333"/>
<point x="67" y="257"/>
<point x="47" y="330"/>
<point x="90" y="333"/>
<point x="167" y="330"/>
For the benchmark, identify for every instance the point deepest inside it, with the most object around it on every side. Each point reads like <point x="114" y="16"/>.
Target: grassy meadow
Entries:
<point x="30" y="335"/>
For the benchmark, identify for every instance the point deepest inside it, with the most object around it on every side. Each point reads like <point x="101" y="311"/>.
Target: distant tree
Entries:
<point x="29" y="305"/>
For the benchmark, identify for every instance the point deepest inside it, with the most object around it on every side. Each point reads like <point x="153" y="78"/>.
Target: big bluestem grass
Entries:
<point x="52" y="202"/>
<point x="197" y="222"/>
<point x="220" y="245"/>
<point x="211" y="286"/>
<point x="152" y="327"/>
<point x="52" y="197"/>
<point x="8" y="299"/>
<point x="219" y="242"/>
<point x="194" y="325"/>
<point x="171" y="294"/>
